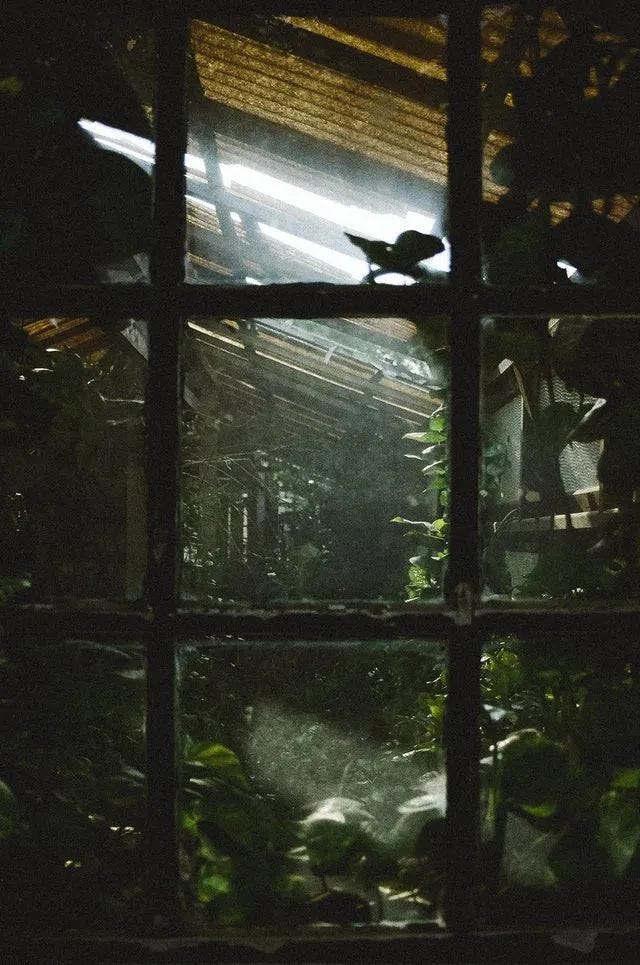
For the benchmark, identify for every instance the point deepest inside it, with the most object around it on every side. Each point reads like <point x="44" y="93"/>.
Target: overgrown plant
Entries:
<point x="427" y="566"/>
<point x="561" y="735"/>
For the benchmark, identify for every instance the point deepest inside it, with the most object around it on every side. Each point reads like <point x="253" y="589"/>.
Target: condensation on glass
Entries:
<point x="303" y="129"/>
<point x="559" y="460"/>
<point x="314" y="460"/>
<point x="72" y="785"/>
<point x="72" y="459"/>
<point x="76" y="95"/>
<point x="562" y="142"/>
<point x="300" y="804"/>
<point x="560" y="780"/>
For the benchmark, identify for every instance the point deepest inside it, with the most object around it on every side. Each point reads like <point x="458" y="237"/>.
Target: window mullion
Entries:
<point x="163" y="455"/>
<point x="462" y="582"/>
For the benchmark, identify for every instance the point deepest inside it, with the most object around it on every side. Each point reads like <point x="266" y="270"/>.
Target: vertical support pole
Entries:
<point x="163" y="413"/>
<point x="462" y="583"/>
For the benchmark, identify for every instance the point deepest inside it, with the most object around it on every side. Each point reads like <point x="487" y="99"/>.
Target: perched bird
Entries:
<point x="409" y="248"/>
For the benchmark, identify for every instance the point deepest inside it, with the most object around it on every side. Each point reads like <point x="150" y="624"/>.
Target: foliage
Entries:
<point x="55" y="70"/>
<point x="561" y="727"/>
<point x="62" y="463"/>
<point x="72" y="789"/>
<point x="235" y="843"/>
<point x="428" y="565"/>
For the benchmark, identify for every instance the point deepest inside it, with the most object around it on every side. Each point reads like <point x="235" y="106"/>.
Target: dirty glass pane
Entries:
<point x="76" y="89"/>
<point x="72" y="491"/>
<point x="560" y="465"/>
<point x="72" y="792"/>
<point x="303" y="131"/>
<point x="561" y="780"/>
<point x="314" y="459"/>
<point x="301" y="805"/>
<point x="562" y="141"/>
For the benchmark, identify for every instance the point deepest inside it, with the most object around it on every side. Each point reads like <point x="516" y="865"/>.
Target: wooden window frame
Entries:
<point x="461" y="619"/>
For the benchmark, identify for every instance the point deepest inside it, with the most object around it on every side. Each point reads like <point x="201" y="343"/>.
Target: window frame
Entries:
<point x="465" y="299"/>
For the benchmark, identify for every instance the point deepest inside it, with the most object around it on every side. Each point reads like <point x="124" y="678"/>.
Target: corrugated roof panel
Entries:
<point x="320" y="102"/>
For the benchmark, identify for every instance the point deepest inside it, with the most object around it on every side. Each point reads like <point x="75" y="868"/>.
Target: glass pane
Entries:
<point x="306" y="131"/>
<point x="313" y="459"/>
<point x="561" y="109"/>
<point x="72" y="490"/>
<point x="72" y="791"/>
<point x="300" y="805"/>
<point x="75" y="105"/>
<point x="561" y="471"/>
<point x="561" y="780"/>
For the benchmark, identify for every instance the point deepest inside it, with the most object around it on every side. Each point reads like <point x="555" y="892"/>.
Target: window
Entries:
<point x="224" y="716"/>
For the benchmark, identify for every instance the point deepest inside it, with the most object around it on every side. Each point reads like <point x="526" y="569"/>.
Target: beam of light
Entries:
<point x="441" y="262"/>
<point x="356" y="267"/>
<point x="373" y="224"/>
<point x="133" y="146"/>
<point x="570" y="269"/>
<point x="386" y="227"/>
<point x="216" y="335"/>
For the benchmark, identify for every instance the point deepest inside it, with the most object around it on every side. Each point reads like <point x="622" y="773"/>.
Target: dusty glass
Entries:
<point x="304" y="459"/>
<point x="301" y="804"/>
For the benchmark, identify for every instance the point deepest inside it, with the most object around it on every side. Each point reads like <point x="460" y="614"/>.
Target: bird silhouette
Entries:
<point x="403" y="256"/>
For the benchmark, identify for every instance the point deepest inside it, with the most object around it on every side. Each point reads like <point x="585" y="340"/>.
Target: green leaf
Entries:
<point x="430" y="436"/>
<point x="542" y="811"/>
<point x="418" y="577"/>
<point x="336" y="835"/>
<point x="211" y="885"/>
<point x="619" y="829"/>
<point x="419" y="523"/>
<point x="533" y="769"/>
<point x="627" y="777"/>
<point x="439" y="483"/>
<point x="11" y="86"/>
<point x="434" y="467"/>
<point x="219" y="759"/>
